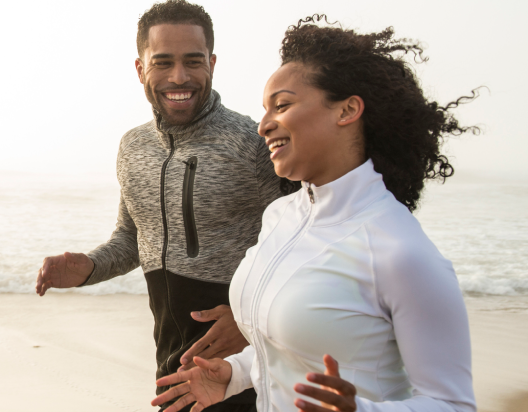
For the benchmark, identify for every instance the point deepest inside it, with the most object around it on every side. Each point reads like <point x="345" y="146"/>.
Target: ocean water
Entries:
<point x="480" y="224"/>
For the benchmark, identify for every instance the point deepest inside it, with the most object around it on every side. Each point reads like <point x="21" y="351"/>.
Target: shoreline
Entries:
<point x="97" y="353"/>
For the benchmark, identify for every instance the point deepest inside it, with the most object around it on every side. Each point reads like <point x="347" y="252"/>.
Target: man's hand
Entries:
<point x="63" y="271"/>
<point x="223" y="339"/>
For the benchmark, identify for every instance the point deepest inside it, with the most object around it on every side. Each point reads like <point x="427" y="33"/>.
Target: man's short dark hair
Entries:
<point x="174" y="12"/>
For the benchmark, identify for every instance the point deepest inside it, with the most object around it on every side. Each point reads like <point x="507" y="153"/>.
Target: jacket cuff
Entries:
<point x="98" y="272"/>
<point x="241" y="369"/>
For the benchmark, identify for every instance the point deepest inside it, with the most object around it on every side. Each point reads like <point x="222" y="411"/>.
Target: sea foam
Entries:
<point x="482" y="227"/>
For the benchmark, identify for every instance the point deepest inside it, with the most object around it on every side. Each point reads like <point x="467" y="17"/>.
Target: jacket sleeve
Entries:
<point x="267" y="180"/>
<point x="241" y="369"/>
<point x="120" y="254"/>
<point x="419" y="293"/>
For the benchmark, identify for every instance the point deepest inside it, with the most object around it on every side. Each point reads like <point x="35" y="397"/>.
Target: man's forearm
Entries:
<point x="120" y="254"/>
<point x="116" y="257"/>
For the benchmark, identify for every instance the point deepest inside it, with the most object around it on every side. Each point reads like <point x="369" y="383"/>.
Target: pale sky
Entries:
<point x="70" y="91"/>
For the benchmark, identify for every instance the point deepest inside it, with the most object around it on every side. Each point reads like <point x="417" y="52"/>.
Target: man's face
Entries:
<point x="176" y="70"/>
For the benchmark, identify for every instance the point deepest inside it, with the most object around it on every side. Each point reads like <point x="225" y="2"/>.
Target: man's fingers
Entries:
<point x="199" y="346"/>
<point x="38" y="285"/>
<point x="212" y="314"/>
<point x="334" y="382"/>
<point x="186" y="367"/>
<point x="47" y="264"/>
<point x="208" y="353"/>
<point x="322" y="395"/>
<point x="171" y="393"/>
<point x="45" y="286"/>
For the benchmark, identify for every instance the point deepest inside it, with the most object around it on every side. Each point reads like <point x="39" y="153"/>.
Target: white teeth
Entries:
<point x="178" y="97"/>
<point x="277" y="143"/>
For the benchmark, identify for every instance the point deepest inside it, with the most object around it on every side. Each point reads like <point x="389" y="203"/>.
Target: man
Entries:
<point x="194" y="184"/>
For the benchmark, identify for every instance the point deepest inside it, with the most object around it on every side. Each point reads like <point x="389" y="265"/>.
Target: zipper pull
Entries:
<point x="310" y="193"/>
<point x="190" y="164"/>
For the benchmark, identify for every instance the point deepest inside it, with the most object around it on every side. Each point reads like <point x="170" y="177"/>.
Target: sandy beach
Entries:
<point x="96" y="353"/>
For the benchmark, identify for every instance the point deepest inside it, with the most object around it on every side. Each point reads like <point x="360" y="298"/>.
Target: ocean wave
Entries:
<point x="484" y="285"/>
<point x="133" y="283"/>
<point x="482" y="229"/>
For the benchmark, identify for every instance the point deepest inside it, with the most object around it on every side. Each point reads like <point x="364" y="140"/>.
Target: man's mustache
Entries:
<point x="174" y="86"/>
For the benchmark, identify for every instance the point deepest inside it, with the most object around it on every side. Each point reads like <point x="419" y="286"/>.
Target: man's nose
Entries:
<point x="179" y="74"/>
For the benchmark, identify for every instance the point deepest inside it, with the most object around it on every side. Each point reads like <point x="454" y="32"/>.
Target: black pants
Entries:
<point x="225" y="407"/>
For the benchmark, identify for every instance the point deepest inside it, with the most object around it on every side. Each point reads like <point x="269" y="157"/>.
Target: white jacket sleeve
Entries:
<point x="241" y="369"/>
<point x="419" y="293"/>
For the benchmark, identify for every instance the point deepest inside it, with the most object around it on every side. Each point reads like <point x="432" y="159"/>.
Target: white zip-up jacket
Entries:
<point x="345" y="269"/>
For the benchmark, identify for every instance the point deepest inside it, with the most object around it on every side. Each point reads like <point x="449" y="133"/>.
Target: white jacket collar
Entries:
<point x="343" y="198"/>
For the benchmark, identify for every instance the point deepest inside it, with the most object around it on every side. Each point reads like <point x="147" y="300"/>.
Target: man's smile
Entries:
<point x="178" y="97"/>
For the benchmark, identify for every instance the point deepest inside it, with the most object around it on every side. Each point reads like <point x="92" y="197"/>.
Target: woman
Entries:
<point x="341" y="266"/>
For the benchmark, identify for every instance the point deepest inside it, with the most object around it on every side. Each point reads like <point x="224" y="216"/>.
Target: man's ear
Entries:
<point x="351" y="110"/>
<point x="139" y="69"/>
<point x="212" y="63"/>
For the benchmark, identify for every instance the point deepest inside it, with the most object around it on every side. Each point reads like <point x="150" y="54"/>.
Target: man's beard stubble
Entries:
<point x="171" y="118"/>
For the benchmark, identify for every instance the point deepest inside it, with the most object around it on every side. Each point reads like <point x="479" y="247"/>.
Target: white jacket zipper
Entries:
<point x="259" y="291"/>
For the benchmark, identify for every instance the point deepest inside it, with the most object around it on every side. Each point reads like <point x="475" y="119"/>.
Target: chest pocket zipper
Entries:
<point x="188" y="209"/>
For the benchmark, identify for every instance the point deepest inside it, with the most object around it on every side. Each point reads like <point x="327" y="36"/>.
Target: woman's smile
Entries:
<point x="276" y="146"/>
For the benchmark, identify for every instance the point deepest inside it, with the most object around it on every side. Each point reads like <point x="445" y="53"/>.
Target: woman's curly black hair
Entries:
<point x="403" y="130"/>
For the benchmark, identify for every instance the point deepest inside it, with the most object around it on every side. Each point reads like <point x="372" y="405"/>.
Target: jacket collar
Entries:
<point x="204" y="116"/>
<point x="345" y="197"/>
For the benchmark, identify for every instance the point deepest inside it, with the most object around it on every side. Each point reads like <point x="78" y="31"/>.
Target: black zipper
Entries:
<point x="188" y="210"/>
<point x="166" y="237"/>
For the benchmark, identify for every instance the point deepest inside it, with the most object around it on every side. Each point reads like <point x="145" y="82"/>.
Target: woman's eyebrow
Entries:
<point x="281" y="91"/>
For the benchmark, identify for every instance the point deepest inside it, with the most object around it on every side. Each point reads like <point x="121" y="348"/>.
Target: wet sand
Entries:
<point x="67" y="352"/>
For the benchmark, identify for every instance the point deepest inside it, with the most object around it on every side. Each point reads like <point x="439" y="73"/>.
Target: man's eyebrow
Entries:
<point x="281" y="91"/>
<point x="162" y="56"/>
<point x="195" y="54"/>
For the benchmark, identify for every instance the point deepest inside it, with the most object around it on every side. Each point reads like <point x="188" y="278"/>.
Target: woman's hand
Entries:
<point x="205" y="384"/>
<point x="336" y="394"/>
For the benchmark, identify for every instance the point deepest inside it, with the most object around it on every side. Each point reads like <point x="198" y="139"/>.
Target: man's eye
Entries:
<point x="162" y="64"/>
<point x="194" y="62"/>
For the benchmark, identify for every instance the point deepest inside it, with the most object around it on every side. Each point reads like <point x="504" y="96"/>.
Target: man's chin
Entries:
<point x="178" y="118"/>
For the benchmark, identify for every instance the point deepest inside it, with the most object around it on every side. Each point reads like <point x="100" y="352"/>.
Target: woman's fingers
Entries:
<point x="306" y="406"/>
<point x="332" y="367"/>
<point x="342" y="386"/>
<point x="203" y="363"/>
<point x="198" y="407"/>
<point x="330" y="398"/>
<point x="334" y="392"/>
<point x="171" y="393"/>
<point x="181" y="403"/>
<point x="174" y="378"/>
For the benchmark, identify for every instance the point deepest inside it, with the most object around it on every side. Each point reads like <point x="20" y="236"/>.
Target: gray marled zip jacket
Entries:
<point x="192" y="199"/>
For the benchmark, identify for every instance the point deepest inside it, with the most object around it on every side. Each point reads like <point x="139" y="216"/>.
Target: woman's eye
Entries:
<point x="279" y="107"/>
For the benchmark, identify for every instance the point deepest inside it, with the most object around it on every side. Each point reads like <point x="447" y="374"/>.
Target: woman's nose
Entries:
<point x="266" y="126"/>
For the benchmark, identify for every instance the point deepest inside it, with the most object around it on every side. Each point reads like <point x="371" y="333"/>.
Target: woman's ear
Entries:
<point x="351" y="110"/>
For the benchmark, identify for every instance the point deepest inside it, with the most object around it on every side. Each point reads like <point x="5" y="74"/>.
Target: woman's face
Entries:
<point x="302" y="128"/>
